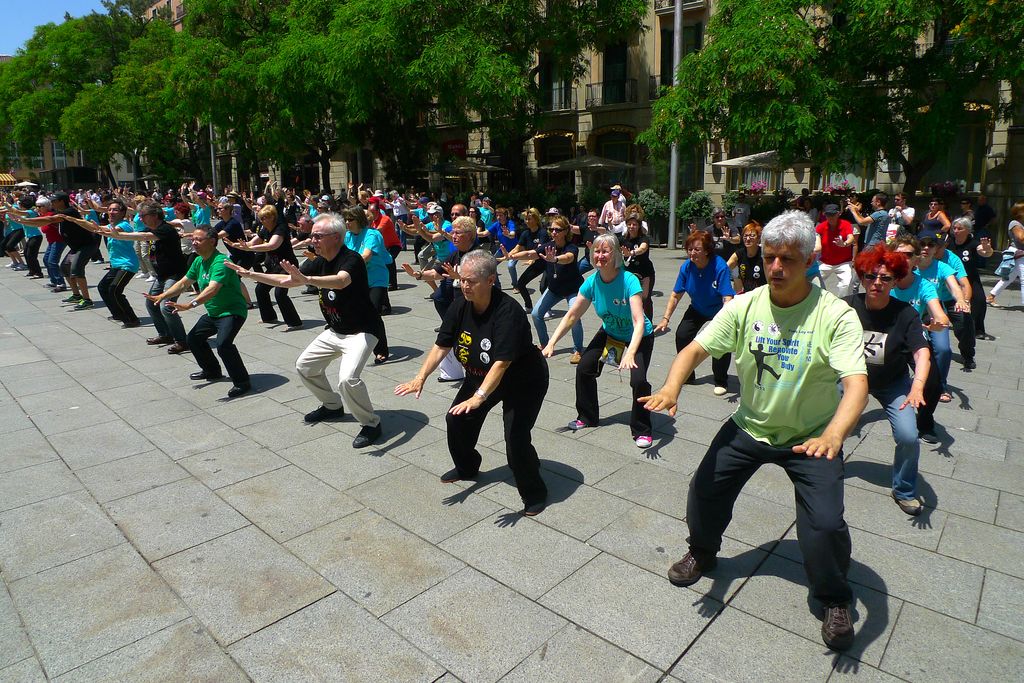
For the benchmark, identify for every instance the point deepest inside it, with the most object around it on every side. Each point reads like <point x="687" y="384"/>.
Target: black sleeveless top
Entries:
<point x="751" y="269"/>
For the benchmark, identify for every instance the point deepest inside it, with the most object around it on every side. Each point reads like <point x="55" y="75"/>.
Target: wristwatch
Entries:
<point x="480" y="393"/>
<point x="193" y="303"/>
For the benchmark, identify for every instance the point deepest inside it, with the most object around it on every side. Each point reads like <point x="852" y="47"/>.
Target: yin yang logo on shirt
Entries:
<point x="773" y="328"/>
<point x="330" y="295"/>
<point x="485" y="344"/>
<point x="758" y="326"/>
<point x="485" y="357"/>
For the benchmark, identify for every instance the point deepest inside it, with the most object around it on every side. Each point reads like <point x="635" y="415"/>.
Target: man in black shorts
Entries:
<point x="82" y="246"/>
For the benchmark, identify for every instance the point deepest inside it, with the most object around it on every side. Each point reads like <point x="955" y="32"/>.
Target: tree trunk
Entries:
<point x="109" y="171"/>
<point x="913" y="174"/>
<point x="323" y="157"/>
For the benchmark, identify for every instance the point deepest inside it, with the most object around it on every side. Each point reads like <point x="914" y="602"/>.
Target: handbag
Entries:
<point x="1005" y="266"/>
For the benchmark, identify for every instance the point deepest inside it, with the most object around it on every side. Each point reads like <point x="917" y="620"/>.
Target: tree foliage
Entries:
<point x="865" y="79"/>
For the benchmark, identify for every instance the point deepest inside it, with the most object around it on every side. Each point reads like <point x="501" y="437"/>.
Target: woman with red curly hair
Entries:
<point x="893" y="341"/>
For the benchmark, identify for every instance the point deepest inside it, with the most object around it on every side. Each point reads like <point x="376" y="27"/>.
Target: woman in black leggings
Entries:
<point x="529" y="241"/>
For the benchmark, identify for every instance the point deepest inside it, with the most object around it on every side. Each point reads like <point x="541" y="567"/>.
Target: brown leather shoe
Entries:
<point x="176" y="348"/>
<point x="688" y="570"/>
<point x="837" y="628"/>
<point x="158" y="341"/>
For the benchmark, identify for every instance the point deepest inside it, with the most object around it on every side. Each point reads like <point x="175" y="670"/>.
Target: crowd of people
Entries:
<point x="816" y="314"/>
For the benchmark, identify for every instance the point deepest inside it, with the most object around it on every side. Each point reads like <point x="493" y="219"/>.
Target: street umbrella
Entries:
<point x="587" y="163"/>
<point x="475" y="166"/>
<point x="761" y="160"/>
<point x="26" y="183"/>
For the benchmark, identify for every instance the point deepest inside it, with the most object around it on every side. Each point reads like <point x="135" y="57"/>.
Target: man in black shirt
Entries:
<point x="170" y="266"/>
<point x="353" y="325"/>
<point x="82" y="246"/>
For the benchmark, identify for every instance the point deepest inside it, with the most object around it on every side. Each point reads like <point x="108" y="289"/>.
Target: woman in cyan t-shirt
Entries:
<point x="625" y="340"/>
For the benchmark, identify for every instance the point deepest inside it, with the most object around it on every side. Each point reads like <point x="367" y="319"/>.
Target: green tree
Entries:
<point x="868" y="78"/>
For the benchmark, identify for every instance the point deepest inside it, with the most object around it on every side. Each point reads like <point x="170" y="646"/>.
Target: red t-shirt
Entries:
<point x="52" y="231"/>
<point x="387" y="230"/>
<point x="832" y="255"/>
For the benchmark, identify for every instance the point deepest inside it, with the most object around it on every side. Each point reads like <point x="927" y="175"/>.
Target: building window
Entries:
<point x="36" y="161"/>
<point x="60" y="158"/>
<point x="965" y="159"/>
<point x="693" y="37"/>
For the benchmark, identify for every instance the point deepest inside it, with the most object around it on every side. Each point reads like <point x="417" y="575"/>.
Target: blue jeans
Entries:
<point x="943" y="354"/>
<point x="165" y="319"/>
<point x="584" y="264"/>
<point x="512" y="272"/>
<point x="547" y="301"/>
<point x="51" y="259"/>
<point x="904" y="432"/>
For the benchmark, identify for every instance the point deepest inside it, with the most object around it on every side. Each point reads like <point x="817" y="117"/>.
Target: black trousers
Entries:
<point x="32" y="255"/>
<point x="963" y="328"/>
<point x="284" y="302"/>
<point x="379" y="299"/>
<point x="687" y="331"/>
<point x="731" y="459"/>
<point x="532" y="272"/>
<point x="979" y="307"/>
<point x="111" y="289"/>
<point x="589" y="369"/>
<point x="393" y="266"/>
<point x="519" y="411"/>
<point x="932" y="390"/>
<point x="226" y="328"/>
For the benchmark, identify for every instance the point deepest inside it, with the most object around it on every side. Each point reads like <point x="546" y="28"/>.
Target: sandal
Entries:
<point x="381" y="359"/>
<point x="945" y="397"/>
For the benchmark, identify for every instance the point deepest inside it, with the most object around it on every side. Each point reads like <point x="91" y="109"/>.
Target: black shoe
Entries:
<point x="928" y="437"/>
<point x="534" y="509"/>
<point x="837" y="628"/>
<point x="453" y="475"/>
<point x="688" y="570"/>
<point x="134" y="323"/>
<point x="324" y="413"/>
<point x="984" y="337"/>
<point x="969" y="364"/>
<point x="239" y="389"/>
<point x="366" y="436"/>
<point x="202" y="375"/>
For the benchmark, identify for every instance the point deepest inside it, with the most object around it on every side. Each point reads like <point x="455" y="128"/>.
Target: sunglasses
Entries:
<point x="871" y="277"/>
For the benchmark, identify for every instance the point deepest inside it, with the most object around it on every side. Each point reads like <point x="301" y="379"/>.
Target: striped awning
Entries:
<point x="7" y="179"/>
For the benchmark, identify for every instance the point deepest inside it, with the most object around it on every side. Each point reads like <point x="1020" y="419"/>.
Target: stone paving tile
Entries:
<point x="778" y="593"/>
<point x="199" y="434"/>
<point x="60" y="399"/>
<point x="106" y="379"/>
<point x="241" y="582"/>
<point x="173" y="517"/>
<point x="1002" y="605"/>
<point x="42" y="535"/>
<point x="130" y="475"/>
<point x="373" y="560"/>
<point x="928" y="646"/>
<point x="650" y="486"/>
<point x="98" y="444"/>
<point x="184" y="652"/>
<point x="332" y="640"/>
<point x="497" y="545"/>
<point x="442" y="510"/>
<point x="985" y="545"/>
<point x="333" y="460"/>
<point x="1011" y="511"/>
<point x="879" y="514"/>
<point x="13" y="419"/>
<point x="655" y="542"/>
<point x="574" y="654"/>
<point x="950" y="586"/>
<point x="248" y="411"/>
<point x="87" y="608"/>
<point x="35" y="483"/>
<point x="24" y="448"/>
<point x="25" y="671"/>
<point x="14" y="643"/>
<point x="230" y="464"/>
<point x="125" y="399"/>
<point x="768" y="653"/>
<point x="287" y="502"/>
<point x="284" y="431"/>
<point x="463" y="623"/>
<point x="573" y="508"/>
<point x="632" y="608"/>
<point x="1004" y="476"/>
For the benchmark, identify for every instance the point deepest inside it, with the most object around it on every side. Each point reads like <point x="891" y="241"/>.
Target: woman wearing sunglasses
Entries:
<point x="893" y="342"/>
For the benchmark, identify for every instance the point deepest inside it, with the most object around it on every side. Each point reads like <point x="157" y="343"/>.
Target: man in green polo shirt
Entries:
<point x="220" y="290"/>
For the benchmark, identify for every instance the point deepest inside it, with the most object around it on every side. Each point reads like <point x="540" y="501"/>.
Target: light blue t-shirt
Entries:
<point x="486" y="215"/>
<point x="122" y="252"/>
<point x="875" y="230"/>
<point x="954" y="262"/>
<point x="201" y="215"/>
<point x="313" y="213"/>
<point x="31" y="230"/>
<point x="10" y="225"/>
<point x="611" y="301"/>
<point x="936" y="274"/>
<point x="918" y="294"/>
<point x="706" y="286"/>
<point x="377" y="266"/>
<point x="443" y="248"/>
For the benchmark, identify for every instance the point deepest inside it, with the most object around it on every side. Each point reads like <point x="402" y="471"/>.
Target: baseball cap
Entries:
<point x="831" y="210"/>
<point x="552" y="212"/>
<point x="435" y="208"/>
<point x="376" y="201"/>
<point x="326" y="198"/>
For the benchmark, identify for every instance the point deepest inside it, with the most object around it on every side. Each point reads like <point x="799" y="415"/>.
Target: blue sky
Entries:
<point x="20" y="18"/>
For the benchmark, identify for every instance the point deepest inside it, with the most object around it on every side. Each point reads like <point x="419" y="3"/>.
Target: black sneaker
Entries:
<point x="83" y="305"/>
<point x="928" y="437"/>
<point x="239" y="390"/>
<point x="367" y="435"/>
<point x="837" y="628"/>
<point x="324" y="413"/>
<point x="196" y="376"/>
<point x="969" y="365"/>
<point x="534" y="509"/>
<point x="453" y="475"/>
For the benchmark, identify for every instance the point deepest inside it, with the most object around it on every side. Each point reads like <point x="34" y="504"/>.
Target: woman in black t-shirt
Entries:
<point x="636" y="255"/>
<point x="893" y="341"/>
<point x="747" y="262"/>
<point x="564" y="280"/>
<point x="273" y="239"/>
<point x="491" y="339"/>
<point x="530" y="240"/>
<point x="971" y="250"/>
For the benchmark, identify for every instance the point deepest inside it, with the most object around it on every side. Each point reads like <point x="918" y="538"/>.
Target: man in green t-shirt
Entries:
<point x="792" y="342"/>
<point x="220" y="290"/>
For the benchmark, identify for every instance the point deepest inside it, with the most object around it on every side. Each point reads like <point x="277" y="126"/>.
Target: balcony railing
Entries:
<point x="611" y="92"/>
<point x="656" y="83"/>
<point x="558" y="99"/>
<point x="669" y="6"/>
<point x="179" y="12"/>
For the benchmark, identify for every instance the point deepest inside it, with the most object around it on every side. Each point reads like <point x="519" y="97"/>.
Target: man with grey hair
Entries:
<point x="353" y="326"/>
<point x="792" y="342"/>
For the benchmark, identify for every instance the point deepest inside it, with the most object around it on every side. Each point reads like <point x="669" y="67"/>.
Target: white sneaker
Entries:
<point x="720" y="391"/>
<point x="151" y="278"/>
<point x="549" y="315"/>
<point x="139" y="276"/>
<point x="643" y="442"/>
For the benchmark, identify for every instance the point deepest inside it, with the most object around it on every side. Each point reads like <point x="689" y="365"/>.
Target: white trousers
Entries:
<point x="838" y="279"/>
<point x="353" y="350"/>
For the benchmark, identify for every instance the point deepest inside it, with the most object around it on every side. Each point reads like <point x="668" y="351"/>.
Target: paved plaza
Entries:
<point x="151" y="530"/>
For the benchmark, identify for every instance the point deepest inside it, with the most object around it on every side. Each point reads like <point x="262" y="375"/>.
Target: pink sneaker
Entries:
<point x="643" y="442"/>
<point x="577" y="425"/>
